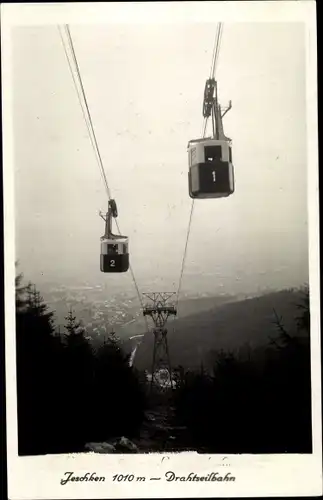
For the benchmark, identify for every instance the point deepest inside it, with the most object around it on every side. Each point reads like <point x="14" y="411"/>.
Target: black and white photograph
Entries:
<point x="161" y="249"/>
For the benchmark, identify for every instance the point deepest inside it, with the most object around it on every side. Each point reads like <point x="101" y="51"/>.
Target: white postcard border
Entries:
<point x="256" y="475"/>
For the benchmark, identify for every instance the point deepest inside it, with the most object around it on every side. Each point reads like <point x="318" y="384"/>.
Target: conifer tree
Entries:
<point x="75" y="337"/>
<point x="72" y="326"/>
<point x="79" y="376"/>
<point x="20" y="293"/>
<point x="38" y="355"/>
<point x="303" y="321"/>
<point x="117" y="392"/>
<point x="61" y="405"/>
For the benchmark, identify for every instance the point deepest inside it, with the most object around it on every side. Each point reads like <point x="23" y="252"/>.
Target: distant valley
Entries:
<point x="101" y="313"/>
<point x="204" y="322"/>
<point x="228" y="326"/>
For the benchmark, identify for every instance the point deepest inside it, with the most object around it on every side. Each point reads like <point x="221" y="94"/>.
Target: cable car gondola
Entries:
<point x="114" y="257"/>
<point x="210" y="168"/>
<point x="211" y="172"/>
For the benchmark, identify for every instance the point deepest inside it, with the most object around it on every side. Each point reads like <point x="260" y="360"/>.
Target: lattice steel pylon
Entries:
<point x="159" y="309"/>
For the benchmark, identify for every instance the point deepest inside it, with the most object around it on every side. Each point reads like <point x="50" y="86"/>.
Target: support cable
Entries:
<point x="215" y="57"/>
<point x="89" y="123"/>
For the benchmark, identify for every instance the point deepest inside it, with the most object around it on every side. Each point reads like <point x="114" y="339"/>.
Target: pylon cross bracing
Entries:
<point x="159" y="309"/>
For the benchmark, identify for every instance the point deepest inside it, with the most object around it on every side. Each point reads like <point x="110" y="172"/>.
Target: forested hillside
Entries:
<point x="72" y="396"/>
<point x="231" y="326"/>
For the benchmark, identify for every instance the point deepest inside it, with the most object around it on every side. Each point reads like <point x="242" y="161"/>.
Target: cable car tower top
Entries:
<point x="159" y="310"/>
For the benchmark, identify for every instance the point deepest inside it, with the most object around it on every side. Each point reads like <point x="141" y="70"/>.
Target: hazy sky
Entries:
<point x="144" y="85"/>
